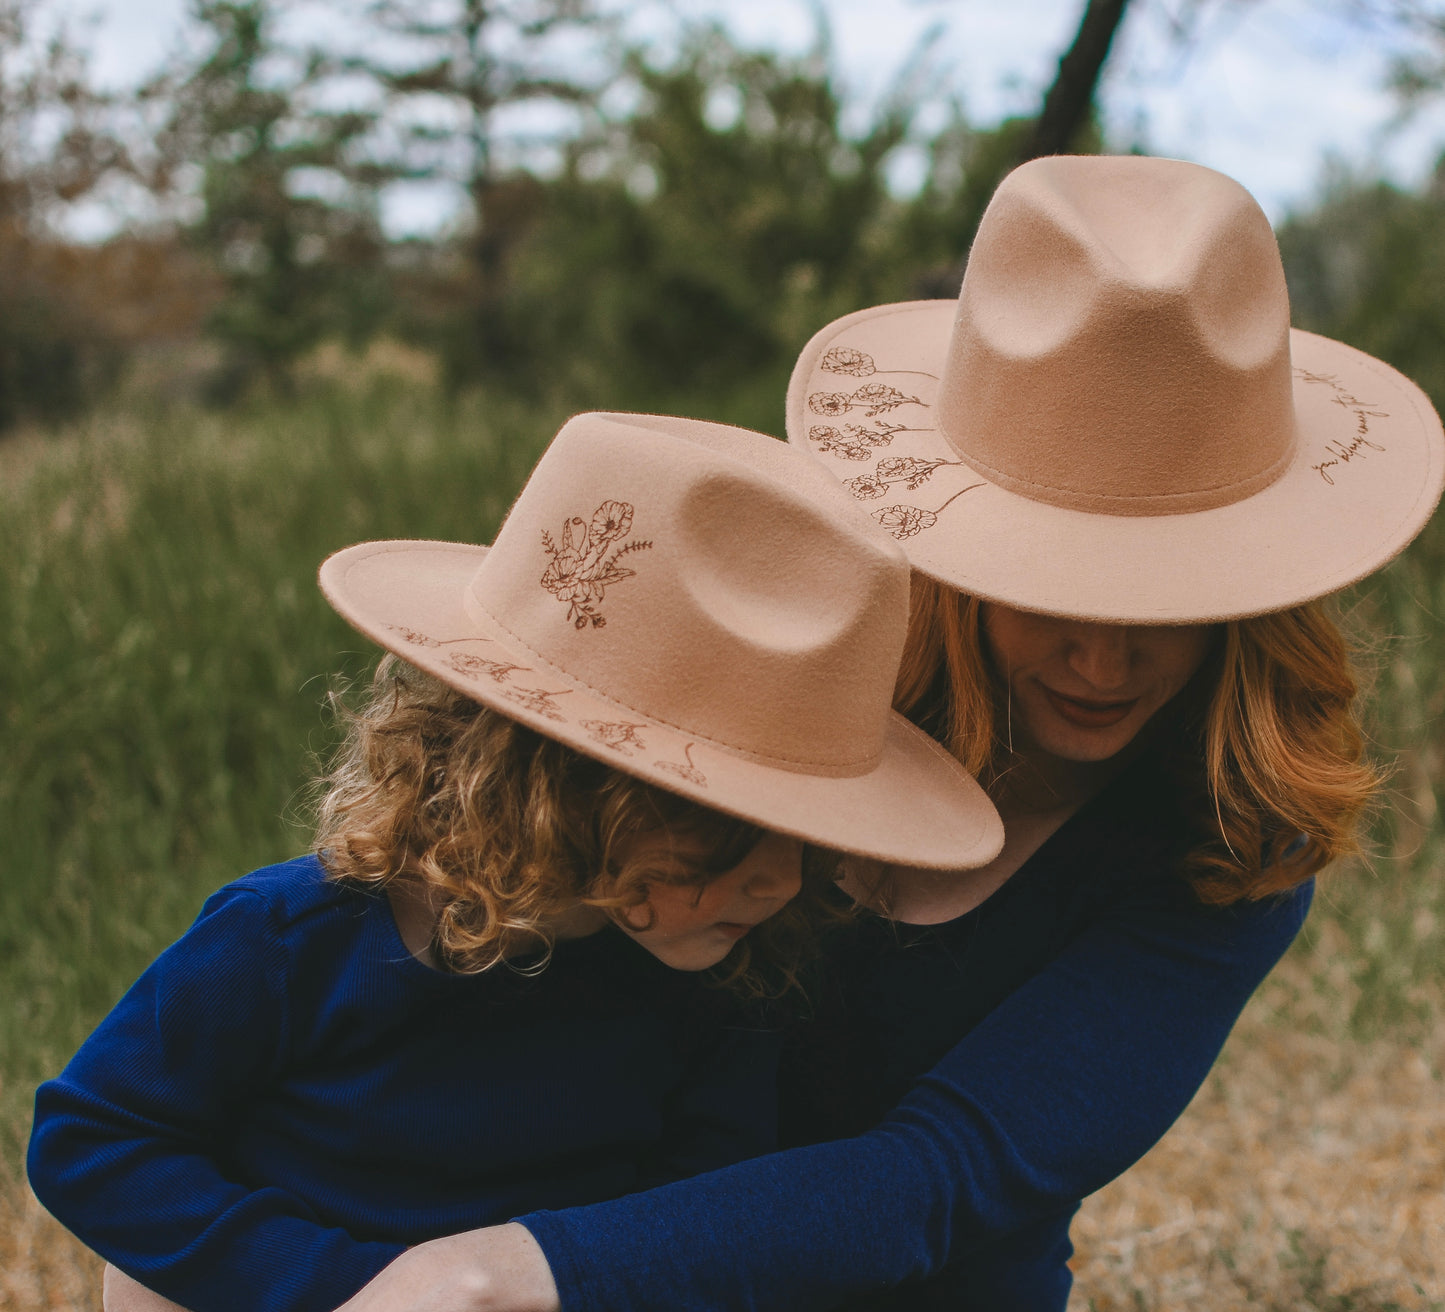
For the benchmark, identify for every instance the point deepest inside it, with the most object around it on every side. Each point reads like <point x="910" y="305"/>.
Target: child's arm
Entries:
<point x="130" y="1141"/>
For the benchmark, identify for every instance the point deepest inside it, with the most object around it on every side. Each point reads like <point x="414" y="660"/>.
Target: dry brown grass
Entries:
<point x="42" y="1266"/>
<point x="1307" y="1176"/>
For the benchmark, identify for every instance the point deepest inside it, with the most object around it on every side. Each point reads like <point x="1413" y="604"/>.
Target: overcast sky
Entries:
<point x="1264" y="91"/>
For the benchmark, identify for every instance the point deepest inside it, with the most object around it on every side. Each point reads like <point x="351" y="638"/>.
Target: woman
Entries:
<point x="1124" y="482"/>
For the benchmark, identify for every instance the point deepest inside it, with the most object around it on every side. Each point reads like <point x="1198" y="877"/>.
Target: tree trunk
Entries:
<point x="1066" y="107"/>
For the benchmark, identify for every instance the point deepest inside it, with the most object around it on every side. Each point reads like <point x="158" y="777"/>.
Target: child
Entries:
<point x="613" y="730"/>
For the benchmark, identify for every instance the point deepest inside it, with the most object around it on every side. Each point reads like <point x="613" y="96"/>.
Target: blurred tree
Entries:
<point x="288" y="198"/>
<point x="693" y="243"/>
<point x="1367" y="266"/>
<point x="473" y="90"/>
<point x="1068" y="105"/>
<point x="56" y="146"/>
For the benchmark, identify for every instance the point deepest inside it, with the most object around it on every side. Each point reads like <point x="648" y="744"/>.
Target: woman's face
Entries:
<point x="1080" y="690"/>
<point x="691" y="927"/>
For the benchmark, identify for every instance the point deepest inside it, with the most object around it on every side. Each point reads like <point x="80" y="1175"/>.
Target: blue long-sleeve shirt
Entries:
<point x="1040" y="1045"/>
<point x="287" y="1098"/>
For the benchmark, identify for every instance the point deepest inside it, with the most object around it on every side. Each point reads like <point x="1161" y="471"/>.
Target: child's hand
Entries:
<point x="499" y="1269"/>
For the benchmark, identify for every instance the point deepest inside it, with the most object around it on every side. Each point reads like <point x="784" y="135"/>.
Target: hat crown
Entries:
<point x="721" y="584"/>
<point x="1116" y="365"/>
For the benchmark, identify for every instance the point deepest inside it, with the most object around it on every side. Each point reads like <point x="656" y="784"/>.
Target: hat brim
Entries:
<point x="916" y="807"/>
<point x="1365" y="477"/>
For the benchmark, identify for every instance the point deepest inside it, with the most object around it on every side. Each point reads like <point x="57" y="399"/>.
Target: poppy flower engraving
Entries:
<point x="857" y="441"/>
<point x="581" y="570"/>
<point x="690" y="772"/>
<point x="858" y="364"/>
<point x="867" y="487"/>
<point x="412" y="636"/>
<point x="831" y="442"/>
<point x="847" y="360"/>
<point x="912" y="472"/>
<point x="620" y="735"/>
<point x="905" y="521"/>
<point x="871" y="398"/>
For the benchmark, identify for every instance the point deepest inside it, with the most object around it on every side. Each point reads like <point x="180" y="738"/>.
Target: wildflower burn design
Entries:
<point x="581" y="571"/>
<point x="871" y="398"/>
<point x="858" y="364"/>
<point x="907" y="521"/>
<point x="690" y="772"/>
<point x="536" y="700"/>
<point x="857" y="441"/>
<point x="911" y="471"/>
<point x="620" y="735"/>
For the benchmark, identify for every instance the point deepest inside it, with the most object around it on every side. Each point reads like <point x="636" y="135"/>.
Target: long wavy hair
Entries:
<point x="1267" y="744"/>
<point x="502" y="830"/>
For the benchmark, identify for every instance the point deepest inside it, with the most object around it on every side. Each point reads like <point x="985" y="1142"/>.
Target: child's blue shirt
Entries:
<point x="287" y="1098"/>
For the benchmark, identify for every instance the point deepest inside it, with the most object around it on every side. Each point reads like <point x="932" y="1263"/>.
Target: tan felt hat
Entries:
<point x="699" y="606"/>
<point x="1115" y="421"/>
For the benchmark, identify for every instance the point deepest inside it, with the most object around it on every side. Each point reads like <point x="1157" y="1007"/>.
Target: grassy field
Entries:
<point x="164" y="657"/>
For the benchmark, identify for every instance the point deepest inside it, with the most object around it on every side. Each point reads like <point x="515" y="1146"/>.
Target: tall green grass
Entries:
<point x="165" y="655"/>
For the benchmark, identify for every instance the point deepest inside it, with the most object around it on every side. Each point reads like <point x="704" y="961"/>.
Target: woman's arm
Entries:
<point x="1064" y="1086"/>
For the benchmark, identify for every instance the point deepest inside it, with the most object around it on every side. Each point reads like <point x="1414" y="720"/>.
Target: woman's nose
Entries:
<point x="1101" y="654"/>
<point x="777" y="870"/>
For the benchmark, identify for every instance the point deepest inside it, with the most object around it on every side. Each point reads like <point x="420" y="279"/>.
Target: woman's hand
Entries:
<point x="499" y="1269"/>
<point x="122" y="1294"/>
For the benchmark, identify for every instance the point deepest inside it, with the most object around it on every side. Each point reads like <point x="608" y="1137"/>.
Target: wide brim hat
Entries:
<point x="1115" y="421"/>
<point x="698" y="606"/>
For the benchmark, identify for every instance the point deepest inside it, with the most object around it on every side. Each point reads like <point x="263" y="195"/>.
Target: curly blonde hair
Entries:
<point x="502" y="829"/>
<point x="1270" y="746"/>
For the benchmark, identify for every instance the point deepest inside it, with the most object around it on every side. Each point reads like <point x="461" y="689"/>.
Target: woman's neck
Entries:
<point x="1035" y="794"/>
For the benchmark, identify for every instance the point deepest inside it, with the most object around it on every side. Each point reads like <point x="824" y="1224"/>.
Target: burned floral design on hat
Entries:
<point x="462" y="662"/>
<point x="620" y="735"/>
<point x="690" y="772"/>
<point x="537" y="700"/>
<point x="871" y="398"/>
<point x="857" y="441"/>
<point x="581" y="570"/>
<point x="907" y="521"/>
<point x="479" y="666"/>
<point x="911" y="471"/>
<point x="859" y="364"/>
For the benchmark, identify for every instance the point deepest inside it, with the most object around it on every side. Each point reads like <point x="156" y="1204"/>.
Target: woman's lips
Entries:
<point x="1088" y="714"/>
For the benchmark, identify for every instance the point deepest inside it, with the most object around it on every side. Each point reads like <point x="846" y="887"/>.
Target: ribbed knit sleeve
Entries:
<point x="129" y="1145"/>
<point x="1061" y="1088"/>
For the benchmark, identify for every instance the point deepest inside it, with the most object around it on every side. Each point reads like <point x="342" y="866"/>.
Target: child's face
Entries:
<point x="695" y="926"/>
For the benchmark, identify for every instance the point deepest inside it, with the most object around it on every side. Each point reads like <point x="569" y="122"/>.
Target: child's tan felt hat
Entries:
<point x="699" y="606"/>
<point x="1115" y="421"/>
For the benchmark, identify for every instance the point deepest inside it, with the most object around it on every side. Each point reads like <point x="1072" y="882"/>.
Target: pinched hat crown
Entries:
<point x="1115" y="366"/>
<point x="702" y="607"/>
<point x="1115" y="421"/>
<point x="681" y="572"/>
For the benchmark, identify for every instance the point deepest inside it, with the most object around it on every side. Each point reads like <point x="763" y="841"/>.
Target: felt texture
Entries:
<point x="700" y="606"/>
<point x="1115" y="421"/>
<point x="286" y="1098"/>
